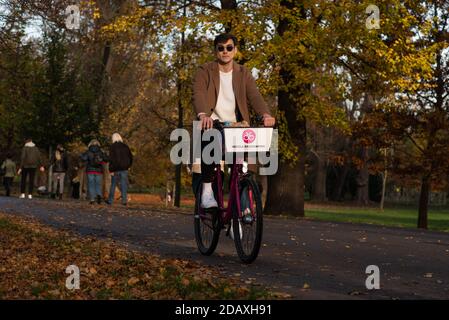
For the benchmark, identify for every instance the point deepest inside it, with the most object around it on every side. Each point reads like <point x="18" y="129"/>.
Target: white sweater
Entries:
<point x="225" y="108"/>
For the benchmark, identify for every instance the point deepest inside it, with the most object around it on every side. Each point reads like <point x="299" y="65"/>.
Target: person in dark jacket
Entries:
<point x="9" y="167"/>
<point x="60" y="165"/>
<point x="94" y="158"/>
<point x="30" y="160"/>
<point x="120" y="160"/>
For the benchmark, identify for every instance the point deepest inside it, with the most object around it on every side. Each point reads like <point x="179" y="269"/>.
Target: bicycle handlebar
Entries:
<point x="242" y="124"/>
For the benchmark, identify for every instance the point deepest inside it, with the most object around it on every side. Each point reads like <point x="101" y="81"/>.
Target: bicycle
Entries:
<point x="247" y="224"/>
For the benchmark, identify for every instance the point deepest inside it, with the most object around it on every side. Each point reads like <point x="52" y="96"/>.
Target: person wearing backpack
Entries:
<point x="8" y="169"/>
<point x="94" y="158"/>
<point x="120" y="160"/>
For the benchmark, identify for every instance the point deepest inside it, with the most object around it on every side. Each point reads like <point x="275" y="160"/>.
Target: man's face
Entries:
<point x="225" y="52"/>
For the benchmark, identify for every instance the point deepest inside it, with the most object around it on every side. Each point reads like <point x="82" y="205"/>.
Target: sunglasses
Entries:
<point x="222" y="48"/>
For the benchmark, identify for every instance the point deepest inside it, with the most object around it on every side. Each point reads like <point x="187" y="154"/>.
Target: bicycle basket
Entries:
<point x="247" y="139"/>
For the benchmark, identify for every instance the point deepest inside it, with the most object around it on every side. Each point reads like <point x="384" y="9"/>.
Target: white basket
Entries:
<point x="247" y="139"/>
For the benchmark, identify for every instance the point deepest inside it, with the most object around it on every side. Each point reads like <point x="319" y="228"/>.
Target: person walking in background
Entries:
<point x="94" y="158"/>
<point x="9" y="169"/>
<point x="30" y="160"/>
<point x="120" y="160"/>
<point x="60" y="165"/>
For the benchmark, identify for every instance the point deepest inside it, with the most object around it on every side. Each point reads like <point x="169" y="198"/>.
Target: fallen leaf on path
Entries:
<point x="110" y="283"/>
<point x="185" y="282"/>
<point x="132" y="281"/>
<point x="282" y="295"/>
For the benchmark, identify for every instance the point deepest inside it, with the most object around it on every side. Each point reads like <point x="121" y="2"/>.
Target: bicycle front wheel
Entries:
<point x="207" y="227"/>
<point x="248" y="225"/>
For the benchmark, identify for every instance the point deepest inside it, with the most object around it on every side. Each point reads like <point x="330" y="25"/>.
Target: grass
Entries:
<point x="405" y="217"/>
<point x="396" y="216"/>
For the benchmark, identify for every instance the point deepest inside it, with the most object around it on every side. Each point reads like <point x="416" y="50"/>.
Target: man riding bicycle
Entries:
<point x="222" y="90"/>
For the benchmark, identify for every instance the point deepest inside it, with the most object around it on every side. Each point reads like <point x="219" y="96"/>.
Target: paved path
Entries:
<point x="328" y="259"/>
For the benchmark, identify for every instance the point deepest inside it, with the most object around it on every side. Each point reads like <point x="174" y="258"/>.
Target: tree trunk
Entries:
<point x="177" y="202"/>
<point x="319" y="185"/>
<point x="178" y="171"/>
<point x="228" y="5"/>
<point x="362" y="194"/>
<point x="285" y="194"/>
<point x="341" y="179"/>
<point x="424" y="202"/>
<point x="320" y="165"/>
<point x="384" y="186"/>
<point x="363" y="181"/>
<point x="384" y="181"/>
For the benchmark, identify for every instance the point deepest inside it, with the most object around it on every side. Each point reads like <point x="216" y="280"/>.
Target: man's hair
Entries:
<point x="224" y="37"/>
<point x="9" y="155"/>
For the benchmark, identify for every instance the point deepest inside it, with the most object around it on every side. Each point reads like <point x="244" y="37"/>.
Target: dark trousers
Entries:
<point x="31" y="172"/>
<point x="75" y="190"/>
<point x="7" y="182"/>
<point x="208" y="170"/>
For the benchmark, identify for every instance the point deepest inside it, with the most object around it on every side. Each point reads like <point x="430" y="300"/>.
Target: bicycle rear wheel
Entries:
<point x="248" y="227"/>
<point x="206" y="225"/>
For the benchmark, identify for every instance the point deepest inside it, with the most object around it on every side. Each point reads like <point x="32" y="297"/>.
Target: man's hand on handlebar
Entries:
<point x="206" y="122"/>
<point x="268" y="120"/>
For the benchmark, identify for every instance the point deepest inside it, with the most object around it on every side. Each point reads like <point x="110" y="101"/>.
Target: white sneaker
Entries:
<point x="30" y="196"/>
<point x="208" y="201"/>
<point x="22" y="196"/>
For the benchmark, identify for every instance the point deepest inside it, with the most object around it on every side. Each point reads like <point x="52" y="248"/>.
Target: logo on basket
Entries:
<point x="248" y="136"/>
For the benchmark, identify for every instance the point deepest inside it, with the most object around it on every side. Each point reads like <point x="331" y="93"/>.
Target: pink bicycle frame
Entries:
<point x="226" y="213"/>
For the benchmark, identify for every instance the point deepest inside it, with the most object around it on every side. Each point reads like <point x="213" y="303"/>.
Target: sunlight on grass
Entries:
<point x="397" y="217"/>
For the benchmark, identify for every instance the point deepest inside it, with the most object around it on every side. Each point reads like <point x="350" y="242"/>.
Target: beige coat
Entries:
<point x="206" y="86"/>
